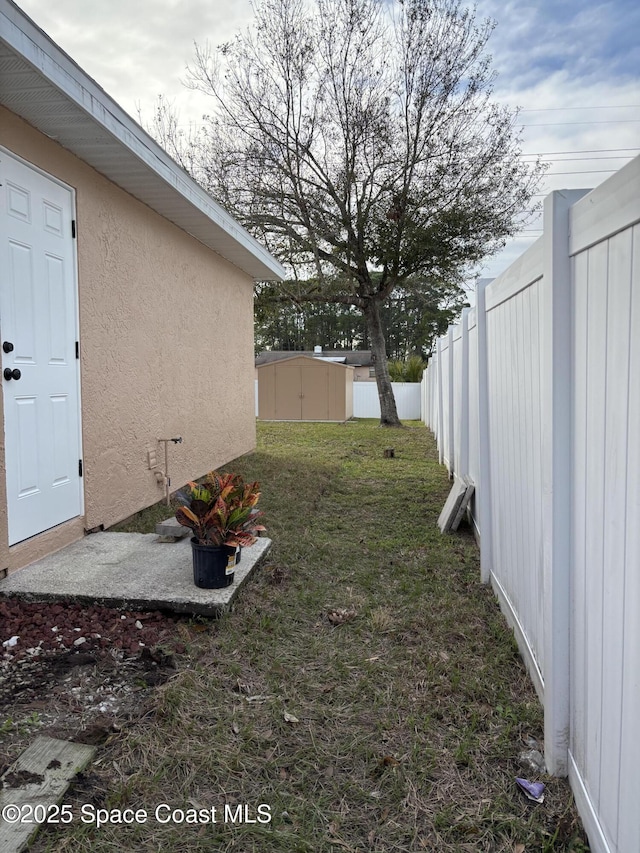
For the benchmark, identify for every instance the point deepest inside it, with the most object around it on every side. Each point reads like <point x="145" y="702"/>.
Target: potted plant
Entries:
<point x="221" y="512"/>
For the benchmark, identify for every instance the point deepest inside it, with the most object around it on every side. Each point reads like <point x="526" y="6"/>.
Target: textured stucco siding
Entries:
<point x="166" y="343"/>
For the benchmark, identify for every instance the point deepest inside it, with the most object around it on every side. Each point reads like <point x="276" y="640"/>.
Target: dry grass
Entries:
<point x="394" y="726"/>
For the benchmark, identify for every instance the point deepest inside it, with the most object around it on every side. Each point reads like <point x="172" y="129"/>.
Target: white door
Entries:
<point x="40" y="375"/>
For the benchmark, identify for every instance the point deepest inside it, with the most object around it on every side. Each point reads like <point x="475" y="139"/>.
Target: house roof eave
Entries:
<point x="45" y="87"/>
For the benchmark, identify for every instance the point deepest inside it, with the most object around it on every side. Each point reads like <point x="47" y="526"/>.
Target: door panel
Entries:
<point x="18" y="309"/>
<point x="288" y="393"/>
<point x="26" y="409"/>
<point x="315" y="393"/>
<point x="38" y="316"/>
<point x="59" y="334"/>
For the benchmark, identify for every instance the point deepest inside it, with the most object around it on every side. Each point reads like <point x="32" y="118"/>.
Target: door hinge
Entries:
<point x="73" y="229"/>
<point x="80" y="467"/>
<point x="77" y="349"/>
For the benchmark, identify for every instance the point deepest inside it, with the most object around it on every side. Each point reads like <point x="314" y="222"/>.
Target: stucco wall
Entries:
<point x="166" y="342"/>
<point x="361" y="374"/>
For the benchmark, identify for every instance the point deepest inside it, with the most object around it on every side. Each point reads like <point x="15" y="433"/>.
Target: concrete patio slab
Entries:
<point x="132" y="570"/>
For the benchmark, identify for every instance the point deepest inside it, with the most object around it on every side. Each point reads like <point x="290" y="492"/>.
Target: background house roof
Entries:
<point x="43" y="85"/>
<point x="353" y="358"/>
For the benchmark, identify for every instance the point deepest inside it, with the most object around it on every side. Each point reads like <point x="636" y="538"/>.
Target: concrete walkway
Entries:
<point x="133" y="570"/>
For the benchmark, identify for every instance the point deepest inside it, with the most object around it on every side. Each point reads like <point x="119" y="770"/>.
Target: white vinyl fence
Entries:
<point x="535" y="395"/>
<point x="366" y="403"/>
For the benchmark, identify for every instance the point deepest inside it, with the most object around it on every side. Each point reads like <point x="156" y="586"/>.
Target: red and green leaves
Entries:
<point x="221" y="510"/>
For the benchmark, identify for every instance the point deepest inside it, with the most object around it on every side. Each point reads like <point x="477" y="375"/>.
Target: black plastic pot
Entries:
<point x="213" y="565"/>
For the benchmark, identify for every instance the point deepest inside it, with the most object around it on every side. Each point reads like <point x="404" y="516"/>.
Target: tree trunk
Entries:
<point x="388" y="412"/>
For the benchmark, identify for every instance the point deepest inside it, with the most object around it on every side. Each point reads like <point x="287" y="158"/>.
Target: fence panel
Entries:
<point x="431" y="408"/>
<point x="458" y="390"/>
<point x="366" y="403"/>
<point x="536" y="395"/>
<point x="604" y="751"/>
<point x="434" y="407"/>
<point x="513" y="356"/>
<point x="473" y="433"/>
<point x="445" y="420"/>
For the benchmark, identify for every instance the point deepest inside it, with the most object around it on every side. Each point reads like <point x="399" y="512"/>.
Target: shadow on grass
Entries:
<point x="365" y="687"/>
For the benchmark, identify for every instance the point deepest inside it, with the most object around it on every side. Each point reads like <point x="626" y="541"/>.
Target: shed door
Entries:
<point x="315" y="393"/>
<point x="40" y="380"/>
<point x="302" y="392"/>
<point x="288" y="392"/>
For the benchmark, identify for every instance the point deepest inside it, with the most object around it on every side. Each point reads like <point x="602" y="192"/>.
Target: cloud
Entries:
<point x="137" y="50"/>
<point x="553" y="59"/>
<point x="567" y="65"/>
<point x="589" y="40"/>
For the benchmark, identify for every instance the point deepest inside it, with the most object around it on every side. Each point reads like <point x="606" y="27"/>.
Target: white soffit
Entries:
<point x="40" y="83"/>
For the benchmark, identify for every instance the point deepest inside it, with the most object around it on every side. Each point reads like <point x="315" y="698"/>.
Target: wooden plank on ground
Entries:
<point x="463" y="504"/>
<point x="459" y="495"/>
<point x="34" y="784"/>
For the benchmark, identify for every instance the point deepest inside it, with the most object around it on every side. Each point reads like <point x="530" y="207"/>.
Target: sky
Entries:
<point x="571" y="66"/>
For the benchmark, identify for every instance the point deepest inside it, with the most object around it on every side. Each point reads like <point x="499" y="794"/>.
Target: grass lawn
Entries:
<point x="365" y="688"/>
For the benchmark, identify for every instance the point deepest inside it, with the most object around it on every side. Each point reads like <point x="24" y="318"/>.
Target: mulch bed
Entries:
<point x="77" y="672"/>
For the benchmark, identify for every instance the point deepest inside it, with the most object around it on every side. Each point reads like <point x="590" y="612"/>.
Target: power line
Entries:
<point x="587" y="172"/>
<point x="587" y="151"/>
<point x="574" y="159"/>
<point x="563" y="123"/>
<point x="564" y="109"/>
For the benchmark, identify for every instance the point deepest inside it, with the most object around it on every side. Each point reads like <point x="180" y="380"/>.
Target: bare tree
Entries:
<point x="359" y="140"/>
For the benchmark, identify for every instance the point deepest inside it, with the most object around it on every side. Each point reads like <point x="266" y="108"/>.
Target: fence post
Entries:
<point x="451" y="432"/>
<point x="433" y="396"/>
<point x="440" y="403"/>
<point x="555" y="389"/>
<point x="464" y="394"/>
<point x="483" y="489"/>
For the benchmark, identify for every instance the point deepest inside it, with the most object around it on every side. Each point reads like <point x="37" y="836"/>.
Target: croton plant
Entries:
<point x="221" y="510"/>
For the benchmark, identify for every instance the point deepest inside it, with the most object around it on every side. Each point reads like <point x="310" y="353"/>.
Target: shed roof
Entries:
<point x="353" y="358"/>
<point x="305" y="358"/>
<point x="43" y="85"/>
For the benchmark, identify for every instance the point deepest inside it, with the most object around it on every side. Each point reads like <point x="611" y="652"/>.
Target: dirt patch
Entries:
<point x="77" y="673"/>
<point x="22" y="777"/>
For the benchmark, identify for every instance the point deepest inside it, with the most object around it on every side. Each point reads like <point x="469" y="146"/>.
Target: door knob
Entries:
<point x="12" y="374"/>
<point x="7" y="346"/>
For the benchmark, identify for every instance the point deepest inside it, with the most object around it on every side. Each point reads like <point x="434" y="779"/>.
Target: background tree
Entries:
<point x="412" y="318"/>
<point x="359" y="141"/>
<point x="282" y="324"/>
